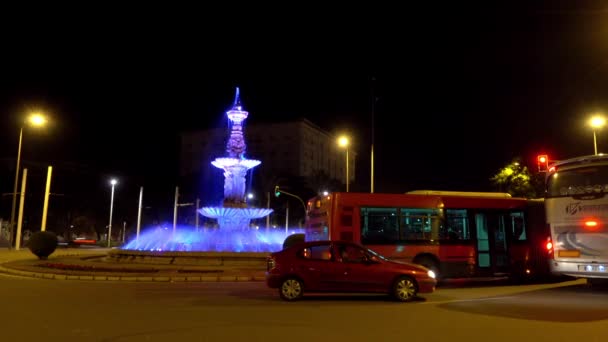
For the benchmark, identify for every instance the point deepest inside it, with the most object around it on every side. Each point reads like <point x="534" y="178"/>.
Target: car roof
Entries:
<point x="321" y="243"/>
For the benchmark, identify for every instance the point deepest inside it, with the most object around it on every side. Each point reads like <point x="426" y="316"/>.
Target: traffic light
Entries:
<point x="543" y="163"/>
<point x="276" y="191"/>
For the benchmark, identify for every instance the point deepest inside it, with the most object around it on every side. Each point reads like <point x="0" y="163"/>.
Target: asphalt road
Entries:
<point x="53" y="310"/>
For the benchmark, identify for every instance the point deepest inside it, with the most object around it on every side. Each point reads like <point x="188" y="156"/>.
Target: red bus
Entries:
<point x="456" y="234"/>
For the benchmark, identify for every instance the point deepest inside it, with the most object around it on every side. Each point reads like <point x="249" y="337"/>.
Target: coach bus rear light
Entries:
<point x="591" y="223"/>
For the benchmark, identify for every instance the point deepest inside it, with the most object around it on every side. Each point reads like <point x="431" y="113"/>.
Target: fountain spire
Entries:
<point x="235" y="167"/>
<point x="236" y="143"/>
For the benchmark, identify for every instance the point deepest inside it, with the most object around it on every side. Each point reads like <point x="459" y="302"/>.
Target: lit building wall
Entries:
<point x="298" y="148"/>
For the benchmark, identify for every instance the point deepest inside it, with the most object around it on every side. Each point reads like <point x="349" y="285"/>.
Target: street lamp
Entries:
<point x="596" y="122"/>
<point x="35" y="119"/>
<point x="343" y="142"/>
<point x="113" y="183"/>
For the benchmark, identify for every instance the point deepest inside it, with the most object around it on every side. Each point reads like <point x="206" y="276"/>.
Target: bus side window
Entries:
<point x="518" y="227"/>
<point x="519" y="233"/>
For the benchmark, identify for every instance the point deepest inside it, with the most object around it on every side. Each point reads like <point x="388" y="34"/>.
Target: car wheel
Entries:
<point x="291" y="289"/>
<point x="405" y="289"/>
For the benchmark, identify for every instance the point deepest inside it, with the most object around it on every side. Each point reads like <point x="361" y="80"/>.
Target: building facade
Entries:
<point x="296" y="148"/>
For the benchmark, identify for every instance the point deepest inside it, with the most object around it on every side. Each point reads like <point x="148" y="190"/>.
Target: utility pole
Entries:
<point x="267" y="207"/>
<point x="198" y="204"/>
<point x="20" y="217"/>
<point x="46" y="199"/>
<point x="141" y="196"/>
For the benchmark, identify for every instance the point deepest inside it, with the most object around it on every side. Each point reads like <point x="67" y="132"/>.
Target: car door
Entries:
<point x="316" y="267"/>
<point x="357" y="272"/>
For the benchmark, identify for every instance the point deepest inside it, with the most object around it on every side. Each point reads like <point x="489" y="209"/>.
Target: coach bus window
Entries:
<point x="419" y="224"/>
<point x="456" y="225"/>
<point x="379" y="226"/>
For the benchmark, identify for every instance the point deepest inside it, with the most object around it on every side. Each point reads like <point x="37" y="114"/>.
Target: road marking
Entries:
<point x="468" y="300"/>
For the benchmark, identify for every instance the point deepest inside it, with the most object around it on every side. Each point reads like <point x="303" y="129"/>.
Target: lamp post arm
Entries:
<point x="295" y="196"/>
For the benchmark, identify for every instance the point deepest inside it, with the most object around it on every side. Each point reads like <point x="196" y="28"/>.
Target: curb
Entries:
<point x="165" y="279"/>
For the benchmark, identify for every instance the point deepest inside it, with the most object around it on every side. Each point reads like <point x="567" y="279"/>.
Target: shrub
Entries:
<point x="42" y="244"/>
<point x="292" y="240"/>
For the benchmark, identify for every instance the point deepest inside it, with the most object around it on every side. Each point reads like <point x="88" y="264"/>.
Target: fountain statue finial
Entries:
<point x="237" y="100"/>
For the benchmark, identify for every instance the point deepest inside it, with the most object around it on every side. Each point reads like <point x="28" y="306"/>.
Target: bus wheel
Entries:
<point x="429" y="263"/>
<point x="404" y="289"/>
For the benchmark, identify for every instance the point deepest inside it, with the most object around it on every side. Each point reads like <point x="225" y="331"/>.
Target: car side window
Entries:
<point x="352" y="254"/>
<point x="322" y="252"/>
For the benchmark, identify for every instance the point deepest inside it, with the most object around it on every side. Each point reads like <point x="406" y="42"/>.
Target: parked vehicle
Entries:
<point x="339" y="266"/>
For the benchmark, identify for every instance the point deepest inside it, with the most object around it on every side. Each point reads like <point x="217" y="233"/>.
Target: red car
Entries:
<point x="336" y="266"/>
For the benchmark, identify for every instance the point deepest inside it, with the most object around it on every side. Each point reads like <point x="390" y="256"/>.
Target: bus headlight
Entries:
<point x="431" y="274"/>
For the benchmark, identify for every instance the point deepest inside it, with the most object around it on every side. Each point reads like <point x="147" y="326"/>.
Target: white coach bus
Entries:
<point x="576" y="203"/>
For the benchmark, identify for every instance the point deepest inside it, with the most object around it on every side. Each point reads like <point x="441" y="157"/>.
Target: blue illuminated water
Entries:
<point x="188" y="239"/>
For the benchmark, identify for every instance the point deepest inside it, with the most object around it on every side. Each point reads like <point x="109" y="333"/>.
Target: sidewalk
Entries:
<point x="89" y="264"/>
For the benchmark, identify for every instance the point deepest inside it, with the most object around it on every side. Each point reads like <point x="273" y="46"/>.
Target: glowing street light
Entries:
<point x="596" y="122"/>
<point x="37" y="120"/>
<point x="343" y="142"/>
<point x="113" y="182"/>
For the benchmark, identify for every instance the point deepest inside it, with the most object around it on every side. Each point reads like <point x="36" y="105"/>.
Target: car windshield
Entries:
<point x="376" y="254"/>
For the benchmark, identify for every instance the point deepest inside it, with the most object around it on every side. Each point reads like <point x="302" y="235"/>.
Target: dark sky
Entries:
<point x="461" y="91"/>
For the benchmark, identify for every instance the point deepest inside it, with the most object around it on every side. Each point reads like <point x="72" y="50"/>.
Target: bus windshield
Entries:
<point x="579" y="181"/>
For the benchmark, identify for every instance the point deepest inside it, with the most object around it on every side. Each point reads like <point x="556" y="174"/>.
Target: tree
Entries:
<point x="517" y="180"/>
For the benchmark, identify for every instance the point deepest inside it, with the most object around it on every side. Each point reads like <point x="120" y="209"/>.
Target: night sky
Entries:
<point x="460" y="91"/>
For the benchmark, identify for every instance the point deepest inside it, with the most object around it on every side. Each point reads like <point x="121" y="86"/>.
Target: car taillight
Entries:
<point x="270" y="263"/>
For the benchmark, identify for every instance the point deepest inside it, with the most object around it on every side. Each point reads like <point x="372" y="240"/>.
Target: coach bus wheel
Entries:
<point x="291" y="289"/>
<point x="404" y="289"/>
<point x="429" y="263"/>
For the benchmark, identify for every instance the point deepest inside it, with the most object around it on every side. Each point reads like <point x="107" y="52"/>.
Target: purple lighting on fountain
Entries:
<point x="234" y="213"/>
<point x="235" y="233"/>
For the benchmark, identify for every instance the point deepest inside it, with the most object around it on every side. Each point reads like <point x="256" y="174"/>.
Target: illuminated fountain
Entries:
<point x="233" y="215"/>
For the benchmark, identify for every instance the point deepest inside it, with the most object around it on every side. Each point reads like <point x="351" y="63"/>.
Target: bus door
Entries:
<point x="492" y="251"/>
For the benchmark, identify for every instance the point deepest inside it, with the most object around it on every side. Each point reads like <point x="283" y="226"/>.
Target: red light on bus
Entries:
<point x="549" y="246"/>
<point x="591" y="224"/>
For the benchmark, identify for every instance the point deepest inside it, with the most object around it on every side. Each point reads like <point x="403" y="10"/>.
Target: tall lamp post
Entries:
<point x="596" y="122"/>
<point x="343" y="142"/>
<point x="35" y="120"/>
<point x="113" y="183"/>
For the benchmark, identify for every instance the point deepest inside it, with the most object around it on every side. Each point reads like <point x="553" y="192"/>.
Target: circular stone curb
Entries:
<point x="53" y="276"/>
